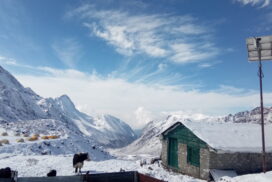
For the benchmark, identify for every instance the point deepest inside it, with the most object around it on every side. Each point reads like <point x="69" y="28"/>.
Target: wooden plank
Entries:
<point x="5" y="180"/>
<point x="145" y="178"/>
<point x="130" y="176"/>
<point x="111" y="177"/>
<point x="52" y="179"/>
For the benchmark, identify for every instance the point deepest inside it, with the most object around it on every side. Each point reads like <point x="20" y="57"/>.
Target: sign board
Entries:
<point x="265" y="45"/>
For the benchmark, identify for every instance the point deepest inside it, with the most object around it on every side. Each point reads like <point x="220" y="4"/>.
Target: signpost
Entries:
<point x="259" y="49"/>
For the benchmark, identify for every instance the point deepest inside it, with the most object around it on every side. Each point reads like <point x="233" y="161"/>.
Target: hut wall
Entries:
<point x="242" y="163"/>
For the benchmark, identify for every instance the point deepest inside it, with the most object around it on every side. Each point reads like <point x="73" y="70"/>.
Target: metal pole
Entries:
<point x="261" y="100"/>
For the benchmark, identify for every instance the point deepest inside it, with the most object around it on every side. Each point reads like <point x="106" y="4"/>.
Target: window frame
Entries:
<point x="193" y="155"/>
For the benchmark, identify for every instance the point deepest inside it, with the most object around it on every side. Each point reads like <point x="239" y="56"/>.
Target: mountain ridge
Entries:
<point x="22" y="105"/>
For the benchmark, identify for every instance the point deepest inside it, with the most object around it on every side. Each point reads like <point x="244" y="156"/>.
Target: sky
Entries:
<point x="137" y="59"/>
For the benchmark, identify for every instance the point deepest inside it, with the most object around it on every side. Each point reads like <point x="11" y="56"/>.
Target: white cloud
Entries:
<point x="7" y="61"/>
<point x="142" y="117"/>
<point x="122" y="98"/>
<point x="182" y="38"/>
<point x="191" y="52"/>
<point x="12" y="62"/>
<point x="162" y="66"/>
<point x="68" y="51"/>
<point x="264" y="3"/>
<point x="190" y="29"/>
<point x="208" y="65"/>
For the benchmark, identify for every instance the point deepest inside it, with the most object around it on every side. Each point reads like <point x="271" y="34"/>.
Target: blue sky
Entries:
<point x="136" y="59"/>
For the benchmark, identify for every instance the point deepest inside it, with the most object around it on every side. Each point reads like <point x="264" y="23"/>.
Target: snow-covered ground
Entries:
<point x="261" y="177"/>
<point x="41" y="165"/>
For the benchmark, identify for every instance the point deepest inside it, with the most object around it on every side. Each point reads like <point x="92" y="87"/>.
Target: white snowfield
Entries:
<point x="262" y="177"/>
<point x="41" y="165"/>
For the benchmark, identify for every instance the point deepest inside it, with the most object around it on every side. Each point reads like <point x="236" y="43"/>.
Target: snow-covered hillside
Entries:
<point x="23" y="112"/>
<point x="148" y="142"/>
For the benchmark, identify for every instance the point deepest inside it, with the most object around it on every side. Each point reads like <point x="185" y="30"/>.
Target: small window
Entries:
<point x="193" y="155"/>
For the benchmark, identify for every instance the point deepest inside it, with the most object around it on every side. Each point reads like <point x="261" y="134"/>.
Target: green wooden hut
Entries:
<point x="194" y="148"/>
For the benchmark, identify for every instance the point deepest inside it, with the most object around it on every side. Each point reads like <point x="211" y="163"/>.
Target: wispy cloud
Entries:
<point x="182" y="39"/>
<point x="68" y="51"/>
<point x="261" y="3"/>
<point x="7" y="61"/>
<point x="14" y="63"/>
<point x="227" y="89"/>
<point x="191" y="52"/>
<point x="208" y="64"/>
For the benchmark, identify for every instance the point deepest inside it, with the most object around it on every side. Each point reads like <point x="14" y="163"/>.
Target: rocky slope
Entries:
<point x="252" y="116"/>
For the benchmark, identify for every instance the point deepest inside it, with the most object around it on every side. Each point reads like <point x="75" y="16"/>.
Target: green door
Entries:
<point x="173" y="152"/>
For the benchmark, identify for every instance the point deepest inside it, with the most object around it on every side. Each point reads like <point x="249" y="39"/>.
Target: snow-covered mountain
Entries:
<point x="252" y="116"/>
<point x="23" y="111"/>
<point x="148" y="142"/>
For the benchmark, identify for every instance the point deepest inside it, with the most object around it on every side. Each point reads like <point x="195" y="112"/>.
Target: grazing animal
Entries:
<point x="5" y="172"/>
<point x="79" y="159"/>
<point x="52" y="173"/>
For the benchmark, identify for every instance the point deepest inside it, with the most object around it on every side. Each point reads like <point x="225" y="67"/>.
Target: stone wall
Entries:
<point x="199" y="172"/>
<point x="204" y="163"/>
<point x="164" y="154"/>
<point x="185" y="167"/>
<point x="242" y="163"/>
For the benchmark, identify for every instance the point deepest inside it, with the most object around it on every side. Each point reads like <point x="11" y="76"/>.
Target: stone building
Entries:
<point x="194" y="148"/>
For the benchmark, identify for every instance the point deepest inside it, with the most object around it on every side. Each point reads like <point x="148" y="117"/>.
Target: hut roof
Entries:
<point x="229" y="137"/>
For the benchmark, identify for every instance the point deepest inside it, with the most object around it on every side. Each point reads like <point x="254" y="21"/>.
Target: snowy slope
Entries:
<point x="106" y="129"/>
<point x="148" y="142"/>
<point x="23" y="111"/>
<point x="41" y="165"/>
<point x="70" y="139"/>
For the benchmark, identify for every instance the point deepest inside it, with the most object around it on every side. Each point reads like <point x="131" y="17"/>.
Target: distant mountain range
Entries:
<point x="23" y="111"/>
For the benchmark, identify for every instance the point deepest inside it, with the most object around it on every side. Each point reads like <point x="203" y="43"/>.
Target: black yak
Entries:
<point x="79" y="159"/>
